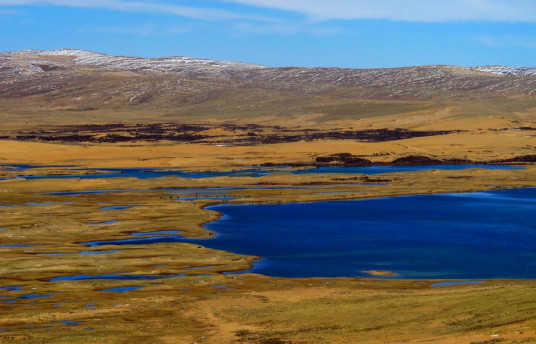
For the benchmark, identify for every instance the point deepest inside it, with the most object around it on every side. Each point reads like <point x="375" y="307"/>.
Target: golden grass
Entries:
<point x="475" y="145"/>
<point x="251" y="308"/>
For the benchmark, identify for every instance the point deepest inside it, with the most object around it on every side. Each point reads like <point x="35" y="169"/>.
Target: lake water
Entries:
<point x="460" y="236"/>
<point x="144" y="173"/>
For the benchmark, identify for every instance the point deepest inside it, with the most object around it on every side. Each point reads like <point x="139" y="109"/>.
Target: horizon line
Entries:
<point x="265" y="66"/>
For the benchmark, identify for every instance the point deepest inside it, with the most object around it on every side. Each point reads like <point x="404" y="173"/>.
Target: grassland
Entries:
<point x="250" y="308"/>
<point x="487" y="124"/>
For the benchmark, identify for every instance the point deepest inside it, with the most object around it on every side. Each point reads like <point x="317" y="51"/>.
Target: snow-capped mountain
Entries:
<point x="97" y="78"/>
<point x="185" y="65"/>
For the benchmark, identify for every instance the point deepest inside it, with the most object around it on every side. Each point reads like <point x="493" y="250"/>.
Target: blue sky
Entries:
<point x="341" y="33"/>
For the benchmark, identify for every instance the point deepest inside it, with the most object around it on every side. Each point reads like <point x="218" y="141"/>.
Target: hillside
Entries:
<point x="433" y="112"/>
<point x="181" y="88"/>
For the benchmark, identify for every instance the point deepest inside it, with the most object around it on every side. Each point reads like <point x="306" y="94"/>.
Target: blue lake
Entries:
<point x="460" y="236"/>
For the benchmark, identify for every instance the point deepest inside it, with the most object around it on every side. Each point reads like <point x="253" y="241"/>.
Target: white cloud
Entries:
<point x="406" y="10"/>
<point x="322" y="10"/>
<point x="141" y="6"/>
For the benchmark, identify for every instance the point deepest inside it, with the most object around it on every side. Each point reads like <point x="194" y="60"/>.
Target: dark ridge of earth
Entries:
<point x="248" y="135"/>
<point x="350" y="160"/>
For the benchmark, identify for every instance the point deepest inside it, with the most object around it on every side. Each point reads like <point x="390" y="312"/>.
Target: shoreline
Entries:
<point x="286" y="167"/>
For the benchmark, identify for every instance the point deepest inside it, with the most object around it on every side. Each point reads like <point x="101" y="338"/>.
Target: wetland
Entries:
<point x="90" y="251"/>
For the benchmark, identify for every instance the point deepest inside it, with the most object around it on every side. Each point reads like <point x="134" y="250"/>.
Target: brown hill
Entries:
<point x="84" y="85"/>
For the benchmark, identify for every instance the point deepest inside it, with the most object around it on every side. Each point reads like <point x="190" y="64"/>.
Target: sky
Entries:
<point x="308" y="33"/>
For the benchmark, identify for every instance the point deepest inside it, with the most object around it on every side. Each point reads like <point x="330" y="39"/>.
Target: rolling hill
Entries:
<point x="183" y="87"/>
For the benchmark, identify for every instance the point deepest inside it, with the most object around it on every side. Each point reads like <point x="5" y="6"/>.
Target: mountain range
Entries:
<point x="40" y="81"/>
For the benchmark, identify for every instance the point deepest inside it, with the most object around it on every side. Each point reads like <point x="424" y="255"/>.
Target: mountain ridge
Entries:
<point x="95" y="58"/>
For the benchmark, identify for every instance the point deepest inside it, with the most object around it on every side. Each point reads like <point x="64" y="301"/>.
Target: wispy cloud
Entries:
<point x="406" y="10"/>
<point x="320" y="10"/>
<point x="146" y="30"/>
<point x="143" y="6"/>
<point x="505" y="41"/>
<point x="8" y="12"/>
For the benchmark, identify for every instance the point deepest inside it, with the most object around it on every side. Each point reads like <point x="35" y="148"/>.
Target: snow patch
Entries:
<point x="507" y="70"/>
